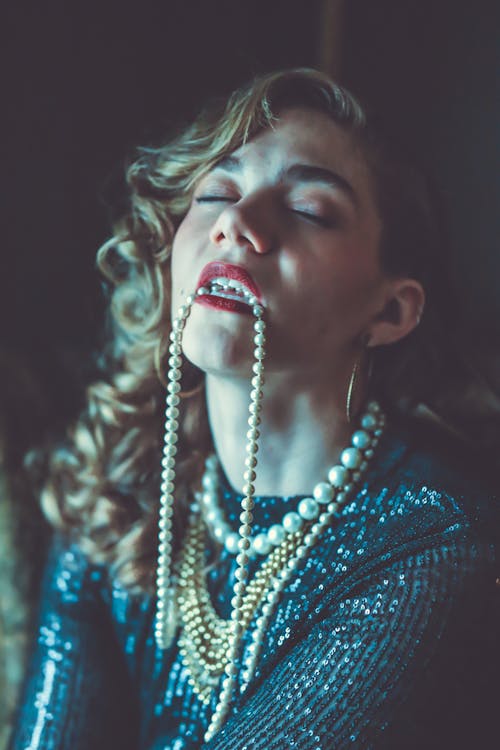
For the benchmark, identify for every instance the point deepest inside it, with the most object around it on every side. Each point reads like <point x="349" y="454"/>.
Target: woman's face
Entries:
<point x="294" y="209"/>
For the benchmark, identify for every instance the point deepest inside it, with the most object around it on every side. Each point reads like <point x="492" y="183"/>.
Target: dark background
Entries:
<point x="85" y="84"/>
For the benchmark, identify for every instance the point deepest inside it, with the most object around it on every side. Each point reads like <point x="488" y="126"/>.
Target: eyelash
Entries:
<point x="213" y="199"/>
<point x="321" y="221"/>
<point x="314" y="218"/>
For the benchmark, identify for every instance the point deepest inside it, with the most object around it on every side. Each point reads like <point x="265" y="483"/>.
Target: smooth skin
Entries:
<point x="295" y="207"/>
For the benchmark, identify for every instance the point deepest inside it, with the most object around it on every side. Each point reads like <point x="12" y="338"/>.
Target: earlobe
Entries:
<point x="400" y="314"/>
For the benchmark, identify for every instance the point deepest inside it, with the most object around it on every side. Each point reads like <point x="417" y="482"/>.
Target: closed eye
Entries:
<point x="214" y="199"/>
<point x="321" y="221"/>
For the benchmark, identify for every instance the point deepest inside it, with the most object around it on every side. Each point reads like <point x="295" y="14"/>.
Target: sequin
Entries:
<point x="365" y="650"/>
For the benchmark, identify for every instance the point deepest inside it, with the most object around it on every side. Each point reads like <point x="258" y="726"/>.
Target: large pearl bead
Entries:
<point x="261" y="544"/>
<point x="351" y="458"/>
<point x="361" y="439"/>
<point x="292" y="522"/>
<point x="231" y="543"/>
<point x="308" y="508"/>
<point x="276" y="534"/>
<point x="369" y="421"/>
<point x="338" y="475"/>
<point x="323" y="492"/>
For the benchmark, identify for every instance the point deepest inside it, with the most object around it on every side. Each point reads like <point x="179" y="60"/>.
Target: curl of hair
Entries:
<point x="104" y="482"/>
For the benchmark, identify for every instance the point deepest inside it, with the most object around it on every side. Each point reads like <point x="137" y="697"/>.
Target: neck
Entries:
<point x="302" y="432"/>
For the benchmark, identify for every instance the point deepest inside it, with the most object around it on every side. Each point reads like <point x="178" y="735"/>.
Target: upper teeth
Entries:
<point x="229" y="288"/>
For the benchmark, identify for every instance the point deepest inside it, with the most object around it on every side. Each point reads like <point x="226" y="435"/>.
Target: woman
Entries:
<point x="337" y="602"/>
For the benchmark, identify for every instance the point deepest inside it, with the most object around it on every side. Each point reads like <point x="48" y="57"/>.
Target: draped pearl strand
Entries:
<point x="353" y="459"/>
<point x="289" y="542"/>
<point x="166" y="619"/>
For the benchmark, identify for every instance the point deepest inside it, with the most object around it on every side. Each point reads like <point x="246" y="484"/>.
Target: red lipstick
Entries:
<point x="218" y="269"/>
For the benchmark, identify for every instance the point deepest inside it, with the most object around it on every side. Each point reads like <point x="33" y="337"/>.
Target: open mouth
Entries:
<point x="228" y="287"/>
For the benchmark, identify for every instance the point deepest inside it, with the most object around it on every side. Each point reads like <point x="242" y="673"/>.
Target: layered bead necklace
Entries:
<point x="210" y="645"/>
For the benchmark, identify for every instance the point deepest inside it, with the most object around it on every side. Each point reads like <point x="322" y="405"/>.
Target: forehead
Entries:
<point x="309" y="137"/>
<point x="307" y="131"/>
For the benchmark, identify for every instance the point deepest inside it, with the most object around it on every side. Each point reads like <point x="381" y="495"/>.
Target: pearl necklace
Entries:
<point x="205" y="636"/>
<point x="353" y="459"/>
<point x="288" y="553"/>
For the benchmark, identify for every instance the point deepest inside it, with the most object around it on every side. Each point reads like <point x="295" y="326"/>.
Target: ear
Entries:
<point x="401" y="313"/>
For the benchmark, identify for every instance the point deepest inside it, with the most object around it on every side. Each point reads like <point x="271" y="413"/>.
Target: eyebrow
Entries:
<point x="300" y="173"/>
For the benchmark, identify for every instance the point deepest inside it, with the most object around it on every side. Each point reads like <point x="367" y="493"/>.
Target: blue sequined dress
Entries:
<point x="387" y="638"/>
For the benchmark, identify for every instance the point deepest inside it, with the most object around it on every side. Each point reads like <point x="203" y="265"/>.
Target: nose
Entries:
<point x="245" y="226"/>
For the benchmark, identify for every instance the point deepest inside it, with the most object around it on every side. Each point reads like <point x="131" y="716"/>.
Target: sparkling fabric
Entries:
<point x="387" y="638"/>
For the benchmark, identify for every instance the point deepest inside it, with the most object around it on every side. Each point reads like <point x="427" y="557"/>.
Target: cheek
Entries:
<point x="184" y="251"/>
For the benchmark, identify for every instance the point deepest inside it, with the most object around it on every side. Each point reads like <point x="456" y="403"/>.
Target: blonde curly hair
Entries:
<point x="104" y="482"/>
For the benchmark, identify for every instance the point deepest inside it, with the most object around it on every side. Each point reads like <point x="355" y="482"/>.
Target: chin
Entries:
<point x="217" y="351"/>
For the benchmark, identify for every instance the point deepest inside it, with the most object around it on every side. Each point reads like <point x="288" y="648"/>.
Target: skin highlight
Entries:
<point x="295" y="207"/>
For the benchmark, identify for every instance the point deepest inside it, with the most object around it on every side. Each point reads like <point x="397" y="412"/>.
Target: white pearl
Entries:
<point x="369" y="422"/>
<point x="209" y="482"/>
<point x="323" y="492"/>
<point x="361" y="439"/>
<point x="292" y="522"/>
<point x="337" y="475"/>
<point x="259" y="326"/>
<point x="211" y="462"/>
<point x="276" y="534"/>
<point x="261" y="544"/>
<point x="231" y="543"/>
<point x="308" y="508"/>
<point x="259" y="339"/>
<point x="220" y="533"/>
<point x="209" y="499"/>
<point x="214" y="516"/>
<point x="351" y="458"/>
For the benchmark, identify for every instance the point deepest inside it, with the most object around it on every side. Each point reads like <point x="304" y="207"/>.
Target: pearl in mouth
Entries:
<point x="220" y="286"/>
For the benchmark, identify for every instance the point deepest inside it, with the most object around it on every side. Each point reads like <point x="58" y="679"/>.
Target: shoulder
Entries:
<point x="71" y="581"/>
<point x="425" y="465"/>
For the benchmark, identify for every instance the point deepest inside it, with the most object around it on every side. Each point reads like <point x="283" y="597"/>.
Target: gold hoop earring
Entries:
<point x="350" y="389"/>
<point x="352" y="384"/>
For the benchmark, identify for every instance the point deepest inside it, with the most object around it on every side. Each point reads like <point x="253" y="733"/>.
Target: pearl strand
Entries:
<point x="165" y="621"/>
<point x="374" y="420"/>
<point x="352" y="463"/>
<point x="245" y="529"/>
